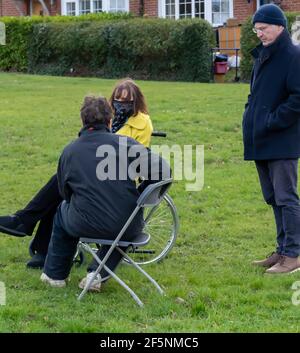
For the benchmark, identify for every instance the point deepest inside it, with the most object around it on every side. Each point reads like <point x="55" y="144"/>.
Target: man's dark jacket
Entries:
<point x="95" y="207"/>
<point x="271" y="121"/>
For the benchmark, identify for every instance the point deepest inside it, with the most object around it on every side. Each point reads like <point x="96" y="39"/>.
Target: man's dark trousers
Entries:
<point x="278" y="179"/>
<point x="42" y="208"/>
<point x="63" y="246"/>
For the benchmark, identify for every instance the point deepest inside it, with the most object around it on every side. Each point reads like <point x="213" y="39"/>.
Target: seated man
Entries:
<point x="97" y="179"/>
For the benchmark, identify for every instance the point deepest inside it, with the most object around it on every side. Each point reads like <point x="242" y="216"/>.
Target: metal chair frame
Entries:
<point x="151" y="196"/>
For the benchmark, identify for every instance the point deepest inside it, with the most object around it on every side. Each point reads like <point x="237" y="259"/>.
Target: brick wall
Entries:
<point x="242" y="8"/>
<point x="8" y="8"/>
<point x="150" y="7"/>
<point x="290" y="5"/>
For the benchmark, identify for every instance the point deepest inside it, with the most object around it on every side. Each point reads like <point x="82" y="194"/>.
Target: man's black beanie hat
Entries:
<point x="271" y="14"/>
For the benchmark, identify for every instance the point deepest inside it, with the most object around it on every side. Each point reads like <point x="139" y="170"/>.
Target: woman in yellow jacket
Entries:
<point x="130" y="112"/>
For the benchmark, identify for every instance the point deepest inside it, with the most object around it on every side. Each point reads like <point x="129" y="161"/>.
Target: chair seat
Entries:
<point x="141" y="240"/>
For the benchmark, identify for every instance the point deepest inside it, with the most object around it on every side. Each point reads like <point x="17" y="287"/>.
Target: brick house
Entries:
<point x="214" y="11"/>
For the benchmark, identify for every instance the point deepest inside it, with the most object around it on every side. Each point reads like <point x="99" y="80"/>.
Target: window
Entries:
<point x="185" y="8"/>
<point x="117" y="5"/>
<point x="84" y="7"/>
<point x="214" y="11"/>
<point x="199" y="9"/>
<point x="170" y="9"/>
<point x="80" y="7"/>
<point x="97" y="6"/>
<point x="71" y="9"/>
<point x="220" y="11"/>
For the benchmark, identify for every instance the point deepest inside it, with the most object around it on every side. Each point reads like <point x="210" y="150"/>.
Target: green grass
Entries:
<point x="223" y="227"/>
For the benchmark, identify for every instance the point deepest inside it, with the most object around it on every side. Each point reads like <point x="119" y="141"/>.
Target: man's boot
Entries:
<point x="286" y="264"/>
<point x="270" y="261"/>
<point x="13" y="225"/>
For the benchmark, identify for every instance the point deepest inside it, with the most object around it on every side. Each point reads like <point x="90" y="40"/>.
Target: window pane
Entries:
<point x="225" y="6"/>
<point x="121" y="4"/>
<point x="97" y="5"/>
<point x="71" y="6"/>
<point x="220" y="11"/>
<point x="170" y="8"/>
<point x="84" y="7"/>
<point x="202" y="6"/>
<point x="199" y="8"/>
<point x="216" y="18"/>
<point x="117" y="5"/>
<point x="216" y="6"/>
<point x="185" y="8"/>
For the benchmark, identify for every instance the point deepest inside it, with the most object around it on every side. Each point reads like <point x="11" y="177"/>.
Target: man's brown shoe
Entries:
<point x="286" y="264"/>
<point x="270" y="261"/>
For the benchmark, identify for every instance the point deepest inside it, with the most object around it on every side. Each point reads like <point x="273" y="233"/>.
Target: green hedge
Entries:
<point x="249" y="40"/>
<point x="141" y="48"/>
<point x="14" y="55"/>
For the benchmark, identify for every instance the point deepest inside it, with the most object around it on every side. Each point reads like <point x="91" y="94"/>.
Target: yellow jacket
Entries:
<point x="138" y="127"/>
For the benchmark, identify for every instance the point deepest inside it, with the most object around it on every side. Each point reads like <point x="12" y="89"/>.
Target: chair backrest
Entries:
<point x="153" y="193"/>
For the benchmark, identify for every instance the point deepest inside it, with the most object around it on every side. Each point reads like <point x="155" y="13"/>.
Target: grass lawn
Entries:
<point x="208" y="278"/>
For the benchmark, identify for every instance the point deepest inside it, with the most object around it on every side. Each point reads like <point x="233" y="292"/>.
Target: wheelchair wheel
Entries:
<point x="162" y="223"/>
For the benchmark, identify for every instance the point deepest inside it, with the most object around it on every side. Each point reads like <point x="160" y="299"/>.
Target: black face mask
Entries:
<point x="123" y="111"/>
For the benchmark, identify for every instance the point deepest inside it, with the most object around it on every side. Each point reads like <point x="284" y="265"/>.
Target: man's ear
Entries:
<point x="110" y="123"/>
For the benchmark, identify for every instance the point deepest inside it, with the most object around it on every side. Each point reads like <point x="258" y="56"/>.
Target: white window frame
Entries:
<point x="71" y="2"/>
<point x="207" y="10"/>
<point x="105" y="6"/>
<point x="230" y="13"/>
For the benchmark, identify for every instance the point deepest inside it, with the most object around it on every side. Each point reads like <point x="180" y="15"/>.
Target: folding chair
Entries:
<point x="150" y="197"/>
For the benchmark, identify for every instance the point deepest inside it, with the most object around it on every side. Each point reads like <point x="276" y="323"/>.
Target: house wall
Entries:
<point x="245" y="8"/>
<point x="242" y="8"/>
<point x="291" y="5"/>
<point x="55" y="8"/>
<point x="150" y="7"/>
<point x="8" y="8"/>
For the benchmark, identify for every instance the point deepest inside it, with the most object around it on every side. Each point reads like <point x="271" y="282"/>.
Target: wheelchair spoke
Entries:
<point x="161" y="222"/>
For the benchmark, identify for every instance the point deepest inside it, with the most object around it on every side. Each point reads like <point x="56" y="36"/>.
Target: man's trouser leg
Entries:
<point x="269" y="196"/>
<point x="42" y="237"/>
<point x="112" y="262"/>
<point x="62" y="249"/>
<point x="47" y="199"/>
<point x="283" y="175"/>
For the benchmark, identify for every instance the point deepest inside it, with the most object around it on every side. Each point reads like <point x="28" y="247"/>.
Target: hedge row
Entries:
<point x="141" y="48"/>
<point x="19" y="30"/>
<point x="249" y="41"/>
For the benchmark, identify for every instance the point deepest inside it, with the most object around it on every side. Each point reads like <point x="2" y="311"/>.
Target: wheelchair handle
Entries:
<point x="159" y="133"/>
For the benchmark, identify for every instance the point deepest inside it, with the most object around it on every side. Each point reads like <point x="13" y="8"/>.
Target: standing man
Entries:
<point x="271" y="132"/>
